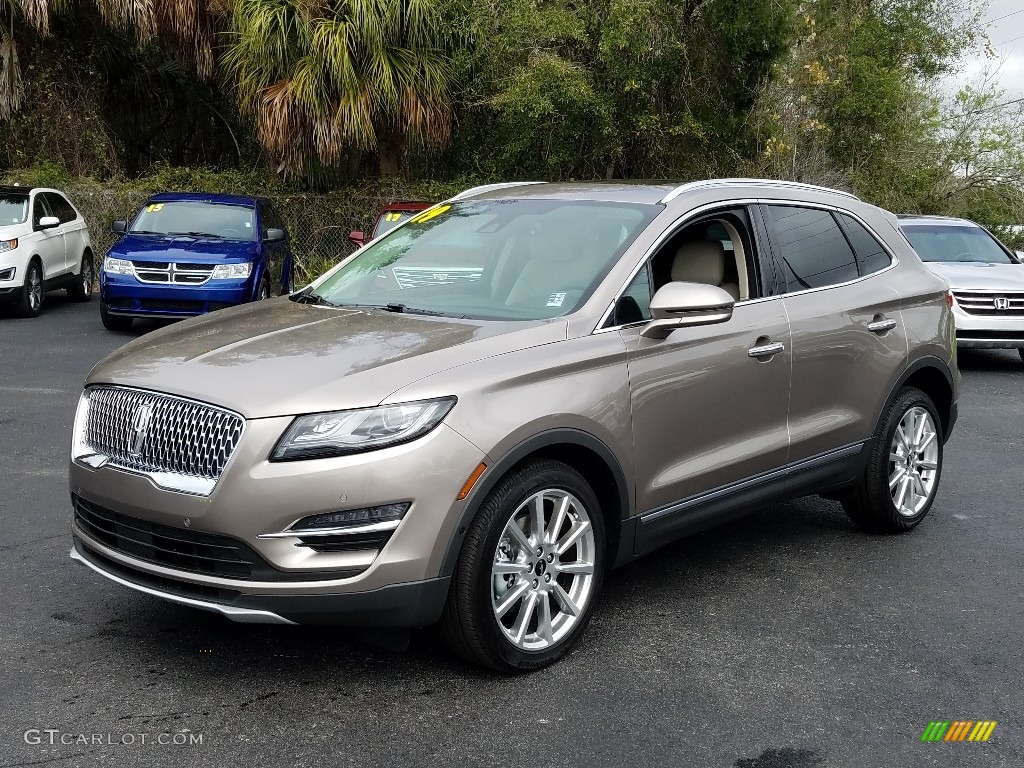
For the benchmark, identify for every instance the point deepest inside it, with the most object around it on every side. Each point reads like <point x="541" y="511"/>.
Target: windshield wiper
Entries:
<point x="416" y="311"/>
<point x="145" y="232"/>
<point x="198" y="234"/>
<point x="307" y="296"/>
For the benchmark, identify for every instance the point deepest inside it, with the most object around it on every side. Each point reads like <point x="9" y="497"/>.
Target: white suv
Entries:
<point x="44" y="245"/>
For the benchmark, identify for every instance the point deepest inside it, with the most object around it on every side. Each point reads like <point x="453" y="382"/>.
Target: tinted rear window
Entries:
<point x="813" y="250"/>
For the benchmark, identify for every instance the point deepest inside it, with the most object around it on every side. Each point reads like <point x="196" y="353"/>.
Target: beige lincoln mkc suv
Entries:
<point x="473" y="418"/>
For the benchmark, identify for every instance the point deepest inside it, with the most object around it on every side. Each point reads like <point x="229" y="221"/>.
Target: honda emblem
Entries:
<point x="1001" y="303"/>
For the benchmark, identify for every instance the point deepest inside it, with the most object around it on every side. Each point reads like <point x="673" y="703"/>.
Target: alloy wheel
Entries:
<point x="86" y="275"/>
<point x="913" y="462"/>
<point x="35" y="289"/>
<point x="542" y="575"/>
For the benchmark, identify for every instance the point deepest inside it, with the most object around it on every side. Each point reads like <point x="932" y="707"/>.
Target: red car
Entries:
<point x="390" y="217"/>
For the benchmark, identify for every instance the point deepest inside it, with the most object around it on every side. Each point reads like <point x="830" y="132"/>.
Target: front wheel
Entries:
<point x="114" y="322"/>
<point x="529" y="572"/>
<point x="30" y="302"/>
<point x="904" y="466"/>
<point x="1021" y="353"/>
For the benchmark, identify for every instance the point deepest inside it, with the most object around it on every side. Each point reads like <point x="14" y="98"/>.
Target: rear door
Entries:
<point x="848" y="334"/>
<point x="72" y="227"/>
<point x="709" y="417"/>
<point x="49" y="242"/>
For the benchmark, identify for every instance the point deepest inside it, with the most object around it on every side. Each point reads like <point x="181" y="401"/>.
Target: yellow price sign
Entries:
<point x="427" y="215"/>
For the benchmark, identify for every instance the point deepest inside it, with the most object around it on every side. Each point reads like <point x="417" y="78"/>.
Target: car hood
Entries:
<point x="181" y="248"/>
<point x="994" y="277"/>
<point x="278" y="357"/>
<point x="12" y="231"/>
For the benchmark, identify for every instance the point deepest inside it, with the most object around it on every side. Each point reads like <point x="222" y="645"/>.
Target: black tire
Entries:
<point x="263" y="292"/>
<point x="30" y="300"/>
<point x="870" y="504"/>
<point x="469" y="624"/>
<point x="114" y="322"/>
<point x="1021" y="353"/>
<point x="81" y="290"/>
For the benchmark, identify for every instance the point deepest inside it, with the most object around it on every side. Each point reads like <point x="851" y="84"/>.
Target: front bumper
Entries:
<point x="366" y="586"/>
<point x="399" y="606"/>
<point x="988" y="331"/>
<point x="124" y="295"/>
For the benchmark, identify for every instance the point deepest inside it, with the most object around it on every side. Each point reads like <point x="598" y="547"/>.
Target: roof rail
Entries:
<point x="692" y="185"/>
<point x="489" y="187"/>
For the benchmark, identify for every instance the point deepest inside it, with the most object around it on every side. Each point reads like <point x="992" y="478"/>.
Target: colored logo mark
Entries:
<point x="959" y="730"/>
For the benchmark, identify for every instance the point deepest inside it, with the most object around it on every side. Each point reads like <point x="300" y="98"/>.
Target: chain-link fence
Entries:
<point x="318" y="225"/>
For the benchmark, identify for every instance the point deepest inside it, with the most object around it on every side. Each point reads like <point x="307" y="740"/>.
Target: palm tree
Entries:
<point x="36" y="15"/>
<point x="321" y="77"/>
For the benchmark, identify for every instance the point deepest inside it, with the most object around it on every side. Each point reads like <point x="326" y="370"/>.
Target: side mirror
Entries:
<point x="119" y="227"/>
<point x="681" y="305"/>
<point x="47" y="222"/>
<point x="357" y="238"/>
<point x="273" y="235"/>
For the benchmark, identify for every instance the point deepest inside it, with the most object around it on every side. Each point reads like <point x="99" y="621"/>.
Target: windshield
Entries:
<point x="198" y="219"/>
<point x="13" y="209"/>
<point x="956" y="243"/>
<point x="493" y="259"/>
<point x="389" y="220"/>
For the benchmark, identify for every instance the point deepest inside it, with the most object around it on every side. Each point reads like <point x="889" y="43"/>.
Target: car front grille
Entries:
<point x="151" y="432"/>
<point x="171" y="272"/>
<point x="991" y="304"/>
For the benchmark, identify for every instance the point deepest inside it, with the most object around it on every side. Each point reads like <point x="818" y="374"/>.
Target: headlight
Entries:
<point x="340" y="432"/>
<point x="114" y="266"/>
<point x="223" y="271"/>
<point x="8" y="245"/>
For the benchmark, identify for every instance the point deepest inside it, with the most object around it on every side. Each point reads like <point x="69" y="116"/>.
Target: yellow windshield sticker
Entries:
<point x="426" y="216"/>
<point x="393" y="216"/>
<point x="154" y="207"/>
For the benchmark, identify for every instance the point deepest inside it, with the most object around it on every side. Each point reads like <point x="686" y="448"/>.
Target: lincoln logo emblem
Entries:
<point x="140" y="428"/>
<point x="1001" y="302"/>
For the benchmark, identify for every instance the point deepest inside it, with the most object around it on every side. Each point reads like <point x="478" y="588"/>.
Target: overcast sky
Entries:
<point x="1004" y="21"/>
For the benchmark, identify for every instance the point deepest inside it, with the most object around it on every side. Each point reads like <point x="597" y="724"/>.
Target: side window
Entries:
<point x="61" y="208"/>
<point x="39" y="210"/>
<point x="871" y="256"/>
<point x="270" y="218"/>
<point x="635" y="303"/>
<point x="812" y="249"/>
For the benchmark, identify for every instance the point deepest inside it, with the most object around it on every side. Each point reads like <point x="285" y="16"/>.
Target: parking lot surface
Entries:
<point x="785" y="639"/>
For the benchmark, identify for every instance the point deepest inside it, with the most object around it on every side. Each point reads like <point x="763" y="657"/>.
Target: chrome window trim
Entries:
<point x="740" y="182"/>
<point x="697" y="212"/>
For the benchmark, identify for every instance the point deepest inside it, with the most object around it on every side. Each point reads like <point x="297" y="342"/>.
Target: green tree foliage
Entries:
<point x="614" y="88"/>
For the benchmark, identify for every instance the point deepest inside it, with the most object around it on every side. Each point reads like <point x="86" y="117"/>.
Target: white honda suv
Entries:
<point x="987" y="279"/>
<point x="44" y="246"/>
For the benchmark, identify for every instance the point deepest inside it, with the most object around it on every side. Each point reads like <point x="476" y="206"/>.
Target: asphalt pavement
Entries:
<point x="784" y="639"/>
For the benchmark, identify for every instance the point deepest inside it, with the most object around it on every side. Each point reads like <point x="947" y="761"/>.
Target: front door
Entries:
<point x="49" y="242"/>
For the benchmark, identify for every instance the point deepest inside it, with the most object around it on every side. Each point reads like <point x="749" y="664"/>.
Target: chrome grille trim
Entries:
<point x="181" y="273"/>
<point x="180" y="444"/>
<point x="984" y="303"/>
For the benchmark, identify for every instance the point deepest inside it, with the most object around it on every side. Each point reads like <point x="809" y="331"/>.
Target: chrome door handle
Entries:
<point x="881" y="326"/>
<point x="766" y="350"/>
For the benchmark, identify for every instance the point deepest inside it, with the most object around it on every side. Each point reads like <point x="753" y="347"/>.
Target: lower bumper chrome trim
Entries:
<point x="241" y="615"/>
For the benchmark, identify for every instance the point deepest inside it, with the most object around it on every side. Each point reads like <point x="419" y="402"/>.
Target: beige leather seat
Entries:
<point x="557" y="264"/>
<point x="703" y="261"/>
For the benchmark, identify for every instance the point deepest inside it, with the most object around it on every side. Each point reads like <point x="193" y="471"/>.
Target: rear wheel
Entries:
<point x="529" y="572"/>
<point x="904" y="466"/>
<point x="30" y="303"/>
<point x="114" y="322"/>
<point x="81" y="290"/>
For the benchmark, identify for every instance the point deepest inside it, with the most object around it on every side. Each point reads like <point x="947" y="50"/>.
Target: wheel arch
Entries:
<point x="933" y="377"/>
<point x="582" y="451"/>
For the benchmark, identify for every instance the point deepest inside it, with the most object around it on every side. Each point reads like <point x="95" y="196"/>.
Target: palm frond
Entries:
<point x="12" y="90"/>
